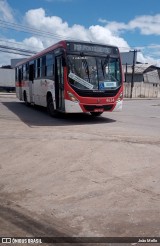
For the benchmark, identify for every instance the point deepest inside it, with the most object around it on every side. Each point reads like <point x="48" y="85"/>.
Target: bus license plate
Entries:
<point x="98" y="110"/>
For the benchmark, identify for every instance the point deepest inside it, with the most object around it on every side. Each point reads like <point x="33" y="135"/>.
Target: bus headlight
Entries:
<point x="72" y="97"/>
<point x="120" y="97"/>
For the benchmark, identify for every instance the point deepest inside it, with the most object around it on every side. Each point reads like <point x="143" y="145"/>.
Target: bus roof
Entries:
<point x="62" y="44"/>
<point x="39" y="54"/>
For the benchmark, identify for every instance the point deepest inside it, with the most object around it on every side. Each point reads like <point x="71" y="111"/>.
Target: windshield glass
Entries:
<point x="95" y="73"/>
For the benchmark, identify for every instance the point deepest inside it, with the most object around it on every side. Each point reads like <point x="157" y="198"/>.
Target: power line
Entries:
<point x="16" y="43"/>
<point x="12" y="52"/>
<point x="18" y="27"/>
<point x="38" y="32"/>
<point x="17" y="49"/>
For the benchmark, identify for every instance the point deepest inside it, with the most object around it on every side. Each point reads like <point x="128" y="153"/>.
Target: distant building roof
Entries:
<point x="143" y="72"/>
<point x="141" y="68"/>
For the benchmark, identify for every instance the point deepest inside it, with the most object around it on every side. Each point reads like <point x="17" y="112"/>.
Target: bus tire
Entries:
<point x="96" y="114"/>
<point x="50" y="107"/>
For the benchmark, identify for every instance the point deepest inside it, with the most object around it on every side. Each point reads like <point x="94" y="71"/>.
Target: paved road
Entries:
<point x="78" y="175"/>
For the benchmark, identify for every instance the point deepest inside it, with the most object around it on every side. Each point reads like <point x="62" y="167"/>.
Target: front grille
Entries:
<point x="91" y="108"/>
<point x="95" y="93"/>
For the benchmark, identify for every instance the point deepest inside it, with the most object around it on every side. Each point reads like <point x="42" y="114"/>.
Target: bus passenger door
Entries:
<point x="59" y="83"/>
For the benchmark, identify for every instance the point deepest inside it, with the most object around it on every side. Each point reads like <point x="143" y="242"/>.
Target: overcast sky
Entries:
<point x="128" y="24"/>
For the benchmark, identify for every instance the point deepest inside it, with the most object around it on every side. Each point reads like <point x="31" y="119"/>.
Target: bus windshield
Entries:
<point x="94" y="73"/>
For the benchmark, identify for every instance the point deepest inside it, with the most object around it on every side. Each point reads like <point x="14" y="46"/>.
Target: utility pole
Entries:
<point x="133" y="69"/>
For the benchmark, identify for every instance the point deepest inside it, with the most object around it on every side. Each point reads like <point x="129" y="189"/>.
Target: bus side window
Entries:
<point x="27" y="71"/>
<point x="31" y="72"/>
<point x="24" y="71"/>
<point x="38" y="68"/>
<point x="49" y="65"/>
<point x="16" y="77"/>
<point x="19" y="74"/>
<point x="43" y="66"/>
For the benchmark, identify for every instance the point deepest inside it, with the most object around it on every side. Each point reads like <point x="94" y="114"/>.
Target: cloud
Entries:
<point x="149" y="58"/>
<point x="37" y="18"/>
<point x="33" y="42"/>
<point x="7" y="57"/>
<point x="6" y="13"/>
<point x="107" y="34"/>
<point x="104" y="35"/>
<point x="147" y="24"/>
<point x="55" y="29"/>
<point x="102" y="20"/>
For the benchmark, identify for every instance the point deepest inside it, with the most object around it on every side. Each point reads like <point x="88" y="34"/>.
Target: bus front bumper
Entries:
<point x="76" y="107"/>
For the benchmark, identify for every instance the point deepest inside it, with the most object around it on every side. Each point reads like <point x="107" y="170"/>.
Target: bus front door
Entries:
<point x="59" y="84"/>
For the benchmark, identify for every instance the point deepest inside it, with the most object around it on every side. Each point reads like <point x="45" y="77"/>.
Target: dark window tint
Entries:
<point x="49" y="65"/>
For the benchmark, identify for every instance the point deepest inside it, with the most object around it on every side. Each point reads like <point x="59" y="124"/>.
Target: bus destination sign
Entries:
<point x="81" y="47"/>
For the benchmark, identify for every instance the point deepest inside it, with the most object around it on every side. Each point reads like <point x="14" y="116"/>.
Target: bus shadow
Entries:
<point x="38" y="116"/>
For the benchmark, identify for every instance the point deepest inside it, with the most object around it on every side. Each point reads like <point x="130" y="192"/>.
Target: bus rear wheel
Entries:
<point x="96" y="114"/>
<point x="50" y="107"/>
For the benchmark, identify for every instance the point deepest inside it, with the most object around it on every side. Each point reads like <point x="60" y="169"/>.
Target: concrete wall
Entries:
<point x="142" y="90"/>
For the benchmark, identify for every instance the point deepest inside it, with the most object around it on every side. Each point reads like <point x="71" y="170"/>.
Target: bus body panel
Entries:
<point x="72" y="107"/>
<point x="118" y="107"/>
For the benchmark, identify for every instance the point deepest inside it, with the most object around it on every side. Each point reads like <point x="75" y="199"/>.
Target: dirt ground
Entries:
<point x="77" y="175"/>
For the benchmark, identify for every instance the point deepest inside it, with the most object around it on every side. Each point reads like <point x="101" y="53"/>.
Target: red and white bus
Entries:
<point x="72" y="77"/>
